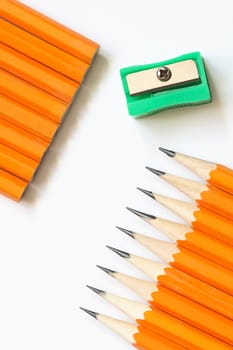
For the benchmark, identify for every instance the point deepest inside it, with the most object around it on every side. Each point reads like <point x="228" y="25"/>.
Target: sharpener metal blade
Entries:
<point x="147" y="80"/>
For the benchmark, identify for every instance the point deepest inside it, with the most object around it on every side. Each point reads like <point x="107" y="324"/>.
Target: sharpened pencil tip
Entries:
<point x="121" y="253"/>
<point x="128" y="232"/>
<point x="141" y="214"/>
<point x="168" y="152"/>
<point x="108" y="271"/>
<point x="89" y="312"/>
<point x="96" y="290"/>
<point x="148" y="193"/>
<point x="155" y="171"/>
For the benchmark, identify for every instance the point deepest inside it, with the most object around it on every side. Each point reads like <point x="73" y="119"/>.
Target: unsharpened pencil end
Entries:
<point x="148" y="193"/>
<point x="121" y="253"/>
<point x="89" y="312"/>
<point x="155" y="171"/>
<point x="128" y="232"/>
<point x="141" y="214"/>
<point x="108" y="271"/>
<point x="168" y="152"/>
<point x="96" y="290"/>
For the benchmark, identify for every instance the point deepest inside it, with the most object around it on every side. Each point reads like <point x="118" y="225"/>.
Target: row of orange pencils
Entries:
<point x="42" y="65"/>
<point x="189" y="300"/>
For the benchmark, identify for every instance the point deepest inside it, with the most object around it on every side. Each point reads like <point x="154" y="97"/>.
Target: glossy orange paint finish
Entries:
<point x="197" y="290"/>
<point x="42" y="64"/>
<point x="222" y="178"/>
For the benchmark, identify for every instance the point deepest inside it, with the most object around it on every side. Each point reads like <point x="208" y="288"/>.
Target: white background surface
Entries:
<point x="51" y="241"/>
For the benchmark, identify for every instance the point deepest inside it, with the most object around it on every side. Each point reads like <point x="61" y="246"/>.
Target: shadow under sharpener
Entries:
<point x="177" y="82"/>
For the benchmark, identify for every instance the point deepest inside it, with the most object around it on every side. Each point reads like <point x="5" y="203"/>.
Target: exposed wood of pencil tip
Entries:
<point x="173" y="230"/>
<point x="183" y="209"/>
<point x="133" y="309"/>
<point x="206" y="196"/>
<point x="141" y="287"/>
<point x="151" y="268"/>
<point x="192" y="189"/>
<point x="163" y="249"/>
<point x="124" y="329"/>
<point x="201" y="167"/>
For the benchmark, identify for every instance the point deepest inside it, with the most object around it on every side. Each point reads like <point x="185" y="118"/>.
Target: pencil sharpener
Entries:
<point x="151" y="88"/>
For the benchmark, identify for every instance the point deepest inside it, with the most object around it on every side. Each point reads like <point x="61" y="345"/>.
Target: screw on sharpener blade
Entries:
<point x="164" y="74"/>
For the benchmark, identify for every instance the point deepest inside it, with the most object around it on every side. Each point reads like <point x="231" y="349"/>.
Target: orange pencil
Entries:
<point x="181" y="283"/>
<point x="139" y="336"/>
<point x="215" y="174"/>
<point x="12" y="186"/>
<point x="22" y="141"/>
<point x="201" y="219"/>
<point x="37" y="74"/>
<point x="32" y="97"/>
<point x="16" y="163"/>
<point x="165" y="325"/>
<point x="195" y="289"/>
<point x="176" y="305"/>
<point x="206" y="196"/>
<point x="27" y="119"/>
<point x="189" y="262"/>
<point x="42" y="64"/>
<point x="209" y="272"/>
<point x="196" y="241"/>
<point x="42" y="52"/>
<point x="48" y="29"/>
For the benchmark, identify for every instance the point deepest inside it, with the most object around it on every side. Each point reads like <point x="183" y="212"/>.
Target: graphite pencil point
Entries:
<point x="155" y="171"/>
<point x="108" y="271"/>
<point x="128" y="232"/>
<point x="89" y="312"/>
<point x="96" y="290"/>
<point x="148" y="193"/>
<point x="123" y="254"/>
<point x="141" y="214"/>
<point x="168" y="152"/>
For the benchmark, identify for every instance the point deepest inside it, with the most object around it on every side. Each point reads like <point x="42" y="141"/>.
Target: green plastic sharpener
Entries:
<point x="151" y="88"/>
